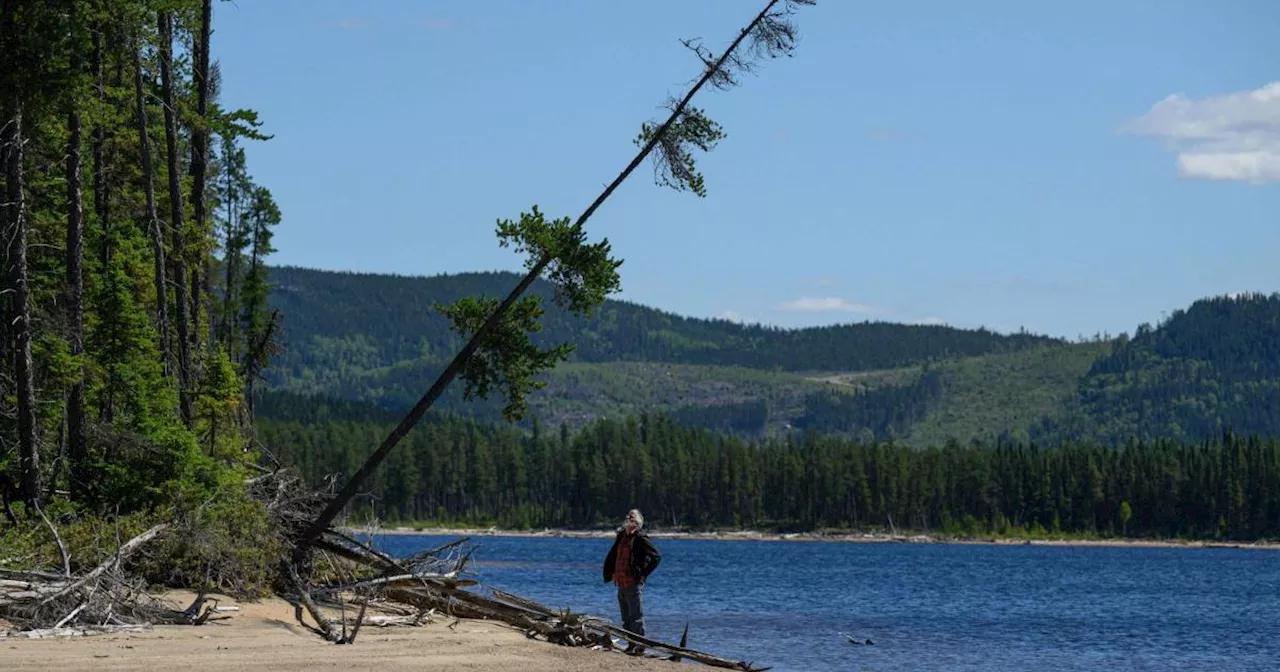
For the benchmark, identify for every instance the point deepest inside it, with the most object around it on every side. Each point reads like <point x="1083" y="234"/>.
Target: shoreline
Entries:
<point x="262" y="634"/>
<point x="827" y="537"/>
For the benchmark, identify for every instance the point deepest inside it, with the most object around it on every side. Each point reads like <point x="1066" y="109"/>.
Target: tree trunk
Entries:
<point x="157" y="234"/>
<point x="75" y="294"/>
<point x="16" y="228"/>
<point x="176" y="217"/>
<point x="228" y="262"/>
<point x="199" y="156"/>
<point x="357" y="480"/>
<point x="101" y="197"/>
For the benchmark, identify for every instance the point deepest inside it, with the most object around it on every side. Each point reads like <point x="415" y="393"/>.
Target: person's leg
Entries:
<point x="635" y="615"/>
<point x="624" y="607"/>
<point x="637" y="610"/>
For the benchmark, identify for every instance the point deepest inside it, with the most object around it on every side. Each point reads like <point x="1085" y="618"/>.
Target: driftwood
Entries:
<point x="104" y="599"/>
<point x="78" y="631"/>
<point x="408" y="591"/>
<point x="434" y="581"/>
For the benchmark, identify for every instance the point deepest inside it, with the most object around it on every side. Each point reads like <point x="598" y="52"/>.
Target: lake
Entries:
<point x="925" y="606"/>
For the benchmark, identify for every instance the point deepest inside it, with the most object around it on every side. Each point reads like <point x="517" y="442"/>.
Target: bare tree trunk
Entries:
<point x="176" y="216"/>
<point x="157" y="234"/>
<point x="75" y="293"/>
<point x="199" y="157"/>
<point x="15" y="219"/>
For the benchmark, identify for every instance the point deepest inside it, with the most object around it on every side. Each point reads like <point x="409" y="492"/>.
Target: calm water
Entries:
<point x="925" y="606"/>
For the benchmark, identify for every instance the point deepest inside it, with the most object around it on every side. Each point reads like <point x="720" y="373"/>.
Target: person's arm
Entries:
<point x="653" y="556"/>
<point x="609" y="561"/>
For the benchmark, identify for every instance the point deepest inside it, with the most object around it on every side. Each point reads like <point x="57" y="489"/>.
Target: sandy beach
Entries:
<point x="830" y="537"/>
<point x="263" y="635"/>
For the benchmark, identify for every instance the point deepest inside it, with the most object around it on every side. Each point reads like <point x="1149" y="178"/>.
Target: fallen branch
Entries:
<point x="123" y="551"/>
<point x="324" y="625"/>
<point x="62" y="548"/>
<point x="79" y="631"/>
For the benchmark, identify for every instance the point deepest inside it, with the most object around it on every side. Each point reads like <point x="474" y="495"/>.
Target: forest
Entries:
<point x="371" y="320"/>
<point x="463" y="471"/>
<point x="1205" y="369"/>
<point x="135" y="313"/>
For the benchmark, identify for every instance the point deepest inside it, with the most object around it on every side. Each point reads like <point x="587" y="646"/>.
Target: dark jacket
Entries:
<point x="644" y="557"/>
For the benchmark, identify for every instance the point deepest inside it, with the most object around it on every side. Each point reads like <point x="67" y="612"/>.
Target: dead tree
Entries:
<point x="15" y="228"/>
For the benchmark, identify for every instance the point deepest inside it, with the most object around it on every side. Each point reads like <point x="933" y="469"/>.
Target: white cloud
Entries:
<point x="930" y="320"/>
<point x="1232" y="137"/>
<point x="828" y="304"/>
<point x="731" y="315"/>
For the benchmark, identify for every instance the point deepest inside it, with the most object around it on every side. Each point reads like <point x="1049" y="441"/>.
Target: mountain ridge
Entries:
<point x="377" y="338"/>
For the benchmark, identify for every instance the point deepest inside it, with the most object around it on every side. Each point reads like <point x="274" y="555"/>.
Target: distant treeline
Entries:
<point x="458" y="470"/>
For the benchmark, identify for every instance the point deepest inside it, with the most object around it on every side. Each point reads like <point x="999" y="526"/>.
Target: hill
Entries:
<point x="377" y="339"/>
<point x="1206" y="369"/>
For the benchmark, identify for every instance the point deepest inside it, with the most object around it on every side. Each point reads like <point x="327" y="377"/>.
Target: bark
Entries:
<point x="356" y="482"/>
<point x="176" y="217"/>
<point x="199" y="157"/>
<point x="75" y="294"/>
<point x="16" y="229"/>
<point x="101" y="195"/>
<point x="229" y="262"/>
<point x="153" y="220"/>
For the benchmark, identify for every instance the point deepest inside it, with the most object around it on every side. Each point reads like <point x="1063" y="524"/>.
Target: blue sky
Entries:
<point x="1068" y="167"/>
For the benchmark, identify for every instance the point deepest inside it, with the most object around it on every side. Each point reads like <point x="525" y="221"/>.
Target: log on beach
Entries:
<point x="433" y="580"/>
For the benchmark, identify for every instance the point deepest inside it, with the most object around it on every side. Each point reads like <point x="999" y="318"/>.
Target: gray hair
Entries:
<point x="639" y="517"/>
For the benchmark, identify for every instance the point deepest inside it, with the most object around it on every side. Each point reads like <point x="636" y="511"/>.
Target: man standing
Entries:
<point x="629" y="563"/>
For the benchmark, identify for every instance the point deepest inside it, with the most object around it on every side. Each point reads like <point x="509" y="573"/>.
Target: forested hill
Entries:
<point x="1211" y="367"/>
<point x="378" y="320"/>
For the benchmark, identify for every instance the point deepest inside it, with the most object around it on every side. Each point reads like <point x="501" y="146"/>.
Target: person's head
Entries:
<point x="634" y="521"/>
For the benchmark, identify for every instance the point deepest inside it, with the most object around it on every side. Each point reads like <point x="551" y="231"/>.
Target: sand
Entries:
<point x="263" y="635"/>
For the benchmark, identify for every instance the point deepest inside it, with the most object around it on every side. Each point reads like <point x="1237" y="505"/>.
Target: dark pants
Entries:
<point x="632" y="610"/>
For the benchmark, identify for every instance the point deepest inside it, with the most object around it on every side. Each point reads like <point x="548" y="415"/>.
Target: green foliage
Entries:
<point x="226" y="544"/>
<point x="505" y="357"/>
<point x="138" y="462"/>
<point x="879" y="412"/>
<point x="221" y="400"/>
<point x="583" y="275"/>
<point x="685" y="477"/>
<point x="90" y="540"/>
